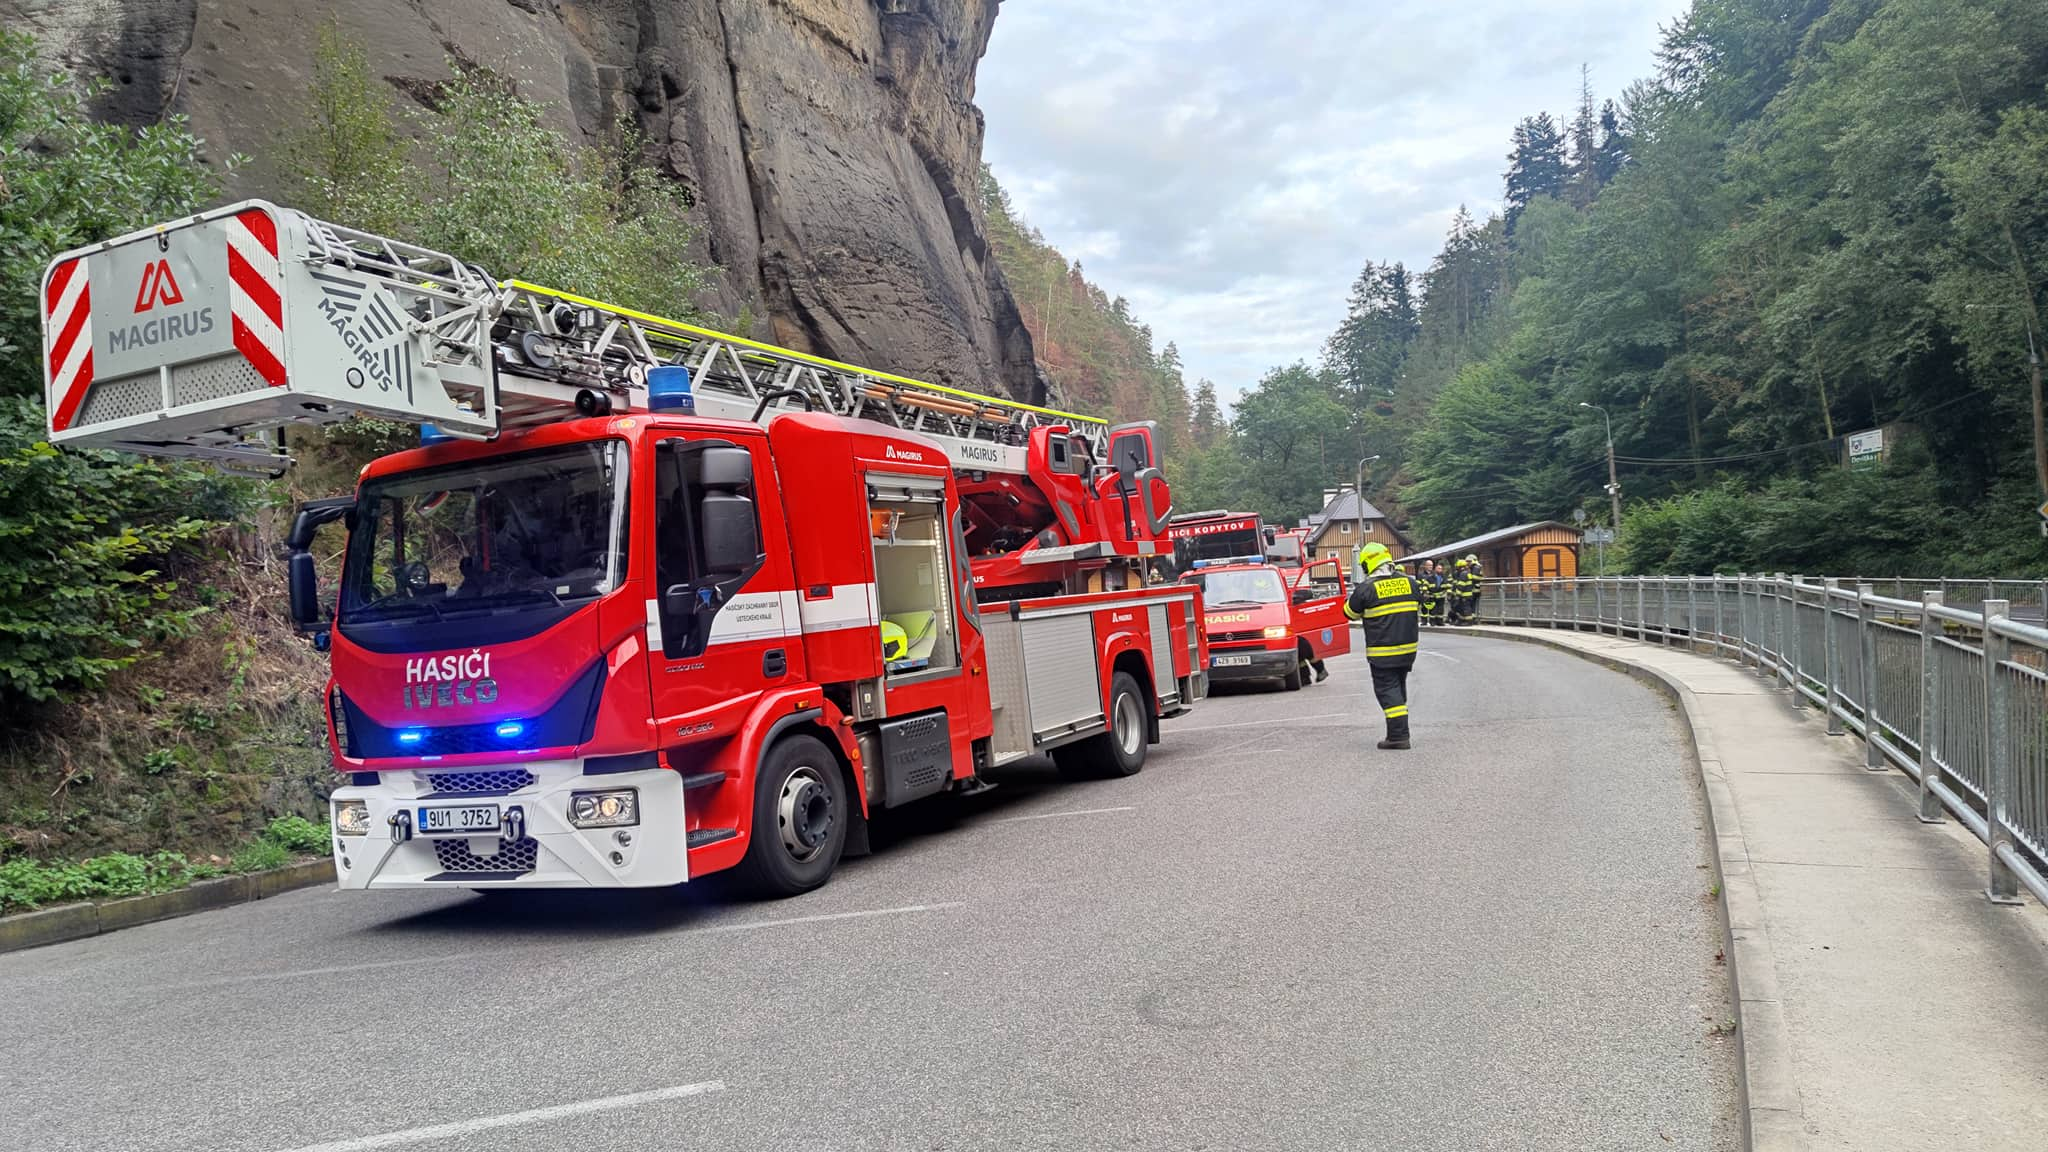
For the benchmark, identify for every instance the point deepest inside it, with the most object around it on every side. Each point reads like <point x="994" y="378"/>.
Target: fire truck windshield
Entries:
<point x="1240" y="586"/>
<point x="540" y="529"/>
<point x="1237" y="542"/>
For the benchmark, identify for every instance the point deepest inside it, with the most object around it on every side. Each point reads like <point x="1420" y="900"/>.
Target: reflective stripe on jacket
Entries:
<point x="1391" y="609"/>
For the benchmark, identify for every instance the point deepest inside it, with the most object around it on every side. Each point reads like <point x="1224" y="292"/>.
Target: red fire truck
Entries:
<point x="650" y="601"/>
<point x="1216" y="535"/>
<point x="1264" y="623"/>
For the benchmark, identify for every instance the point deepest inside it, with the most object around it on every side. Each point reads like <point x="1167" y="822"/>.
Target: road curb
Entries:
<point x="94" y="917"/>
<point x="1772" y="1120"/>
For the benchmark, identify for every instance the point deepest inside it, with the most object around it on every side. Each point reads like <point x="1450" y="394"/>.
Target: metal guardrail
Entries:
<point x="1954" y="697"/>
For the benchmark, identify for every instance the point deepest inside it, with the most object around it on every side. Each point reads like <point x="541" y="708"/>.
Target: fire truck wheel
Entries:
<point x="1292" y="681"/>
<point x="799" y="819"/>
<point x="1119" y="751"/>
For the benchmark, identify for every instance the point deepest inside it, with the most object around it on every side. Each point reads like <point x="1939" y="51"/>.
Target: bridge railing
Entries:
<point x="1954" y="695"/>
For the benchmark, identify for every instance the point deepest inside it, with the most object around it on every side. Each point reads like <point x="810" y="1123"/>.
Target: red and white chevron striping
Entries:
<point x="255" y="306"/>
<point x="67" y="299"/>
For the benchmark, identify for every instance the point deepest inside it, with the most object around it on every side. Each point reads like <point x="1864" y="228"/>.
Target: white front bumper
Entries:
<point x="552" y="854"/>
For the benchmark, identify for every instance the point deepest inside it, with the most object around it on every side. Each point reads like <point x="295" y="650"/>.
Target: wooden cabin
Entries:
<point x="1545" y="550"/>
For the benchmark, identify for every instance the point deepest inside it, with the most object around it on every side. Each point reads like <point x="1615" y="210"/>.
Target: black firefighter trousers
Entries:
<point x="1390" y="687"/>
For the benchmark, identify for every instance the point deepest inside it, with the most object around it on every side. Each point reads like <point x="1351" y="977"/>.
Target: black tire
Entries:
<point x="1292" y="681"/>
<point x="1118" y="751"/>
<point x="800" y="818"/>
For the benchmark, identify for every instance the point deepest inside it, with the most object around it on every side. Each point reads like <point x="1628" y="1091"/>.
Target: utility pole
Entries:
<point x="1613" y="482"/>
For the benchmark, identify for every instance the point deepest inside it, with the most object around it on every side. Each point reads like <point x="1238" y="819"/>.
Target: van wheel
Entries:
<point x="1119" y="751"/>
<point x="800" y="815"/>
<point x="1292" y="681"/>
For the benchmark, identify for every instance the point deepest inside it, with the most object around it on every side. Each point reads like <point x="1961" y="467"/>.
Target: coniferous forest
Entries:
<point x="1817" y="218"/>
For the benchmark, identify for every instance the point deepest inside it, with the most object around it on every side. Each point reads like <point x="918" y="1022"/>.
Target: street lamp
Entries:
<point x="1361" y="475"/>
<point x="1613" y="484"/>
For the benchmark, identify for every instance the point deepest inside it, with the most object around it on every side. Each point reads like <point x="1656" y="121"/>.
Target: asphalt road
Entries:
<point x="1275" y="937"/>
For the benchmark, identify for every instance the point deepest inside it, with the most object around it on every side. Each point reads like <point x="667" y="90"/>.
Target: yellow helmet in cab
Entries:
<point x="895" y="642"/>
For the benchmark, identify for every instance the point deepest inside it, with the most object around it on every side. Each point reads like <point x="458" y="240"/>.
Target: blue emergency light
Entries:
<point x="510" y="730"/>
<point x="668" y="390"/>
<point x="411" y="736"/>
<point x="430" y="436"/>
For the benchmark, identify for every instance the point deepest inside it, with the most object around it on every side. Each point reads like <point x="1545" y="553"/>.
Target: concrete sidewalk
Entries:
<point x="1886" y="1004"/>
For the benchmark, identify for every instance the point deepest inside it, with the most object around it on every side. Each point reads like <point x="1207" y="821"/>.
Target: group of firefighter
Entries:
<point x="1391" y="606"/>
<point x="1449" y="595"/>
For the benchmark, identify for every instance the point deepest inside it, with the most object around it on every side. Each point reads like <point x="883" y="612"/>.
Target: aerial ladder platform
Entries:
<point x="204" y="337"/>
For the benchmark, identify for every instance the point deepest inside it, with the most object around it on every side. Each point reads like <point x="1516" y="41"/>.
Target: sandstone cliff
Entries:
<point x="833" y="146"/>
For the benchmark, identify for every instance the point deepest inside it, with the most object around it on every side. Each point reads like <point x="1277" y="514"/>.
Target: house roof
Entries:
<point x="1474" y="543"/>
<point x="1346" y="505"/>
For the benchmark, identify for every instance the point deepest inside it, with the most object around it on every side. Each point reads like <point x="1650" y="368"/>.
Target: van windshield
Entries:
<point x="1249" y="586"/>
<point x="539" y="528"/>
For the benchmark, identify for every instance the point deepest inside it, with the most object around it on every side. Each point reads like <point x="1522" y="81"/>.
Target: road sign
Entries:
<point x="1579" y="515"/>
<point x="1599" y="536"/>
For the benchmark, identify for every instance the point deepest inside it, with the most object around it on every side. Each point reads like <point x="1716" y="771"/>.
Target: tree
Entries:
<point x="1289" y="432"/>
<point x="1371" y="344"/>
<point x="498" y="185"/>
<point x="84" y="536"/>
<point x="1536" y="165"/>
<point x="1613" y="153"/>
<point x="1207" y="423"/>
<point x="1583" y="181"/>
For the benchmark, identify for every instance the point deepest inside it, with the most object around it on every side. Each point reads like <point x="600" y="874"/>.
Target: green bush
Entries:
<point x="498" y="187"/>
<point x="32" y="884"/>
<point x="297" y="834"/>
<point x="260" y="856"/>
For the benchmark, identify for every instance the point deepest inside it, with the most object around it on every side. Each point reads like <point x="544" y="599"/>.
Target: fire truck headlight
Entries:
<point x="352" y="818"/>
<point x="1276" y="632"/>
<point x="612" y="808"/>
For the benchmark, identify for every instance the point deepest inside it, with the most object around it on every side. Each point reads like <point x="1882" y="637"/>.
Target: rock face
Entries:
<point x="833" y="146"/>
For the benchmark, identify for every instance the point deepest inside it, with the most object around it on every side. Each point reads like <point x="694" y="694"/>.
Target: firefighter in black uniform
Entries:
<point x="1464" y="592"/>
<point x="1428" y="591"/>
<point x="1388" y="604"/>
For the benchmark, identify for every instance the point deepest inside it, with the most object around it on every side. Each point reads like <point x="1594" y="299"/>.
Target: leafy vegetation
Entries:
<point x="152" y="694"/>
<point x="28" y="884"/>
<point x="1818" y="217"/>
<point x="85" y="538"/>
<point x="491" y="182"/>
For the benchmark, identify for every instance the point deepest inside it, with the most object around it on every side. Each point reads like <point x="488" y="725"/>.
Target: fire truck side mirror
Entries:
<point x="731" y="534"/>
<point x="304" y="581"/>
<point x="302" y="578"/>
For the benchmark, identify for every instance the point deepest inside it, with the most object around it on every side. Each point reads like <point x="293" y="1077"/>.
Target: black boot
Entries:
<point x="1321" y="672"/>
<point x="1391" y="744"/>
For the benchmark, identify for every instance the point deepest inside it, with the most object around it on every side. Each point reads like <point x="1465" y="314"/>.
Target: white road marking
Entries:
<point x="514" y="1119"/>
<point x="1057" y="815"/>
<point x="1441" y="656"/>
<point x="1177" y="728"/>
<point x="906" y="910"/>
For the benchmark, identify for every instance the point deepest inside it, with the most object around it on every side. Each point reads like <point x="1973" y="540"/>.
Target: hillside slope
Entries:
<point x="832" y="146"/>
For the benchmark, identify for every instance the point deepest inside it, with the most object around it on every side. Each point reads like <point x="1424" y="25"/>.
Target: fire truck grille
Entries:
<point x="513" y="856"/>
<point x="500" y="781"/>
<point x="1234" y="637"/>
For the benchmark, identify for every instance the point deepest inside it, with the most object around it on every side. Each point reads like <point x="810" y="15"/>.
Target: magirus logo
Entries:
<point x="449" y="681"/>
<point x="367" y="323"/>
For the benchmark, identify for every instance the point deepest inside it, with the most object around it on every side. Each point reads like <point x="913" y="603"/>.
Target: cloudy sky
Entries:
<point x="1228" y="165"/>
